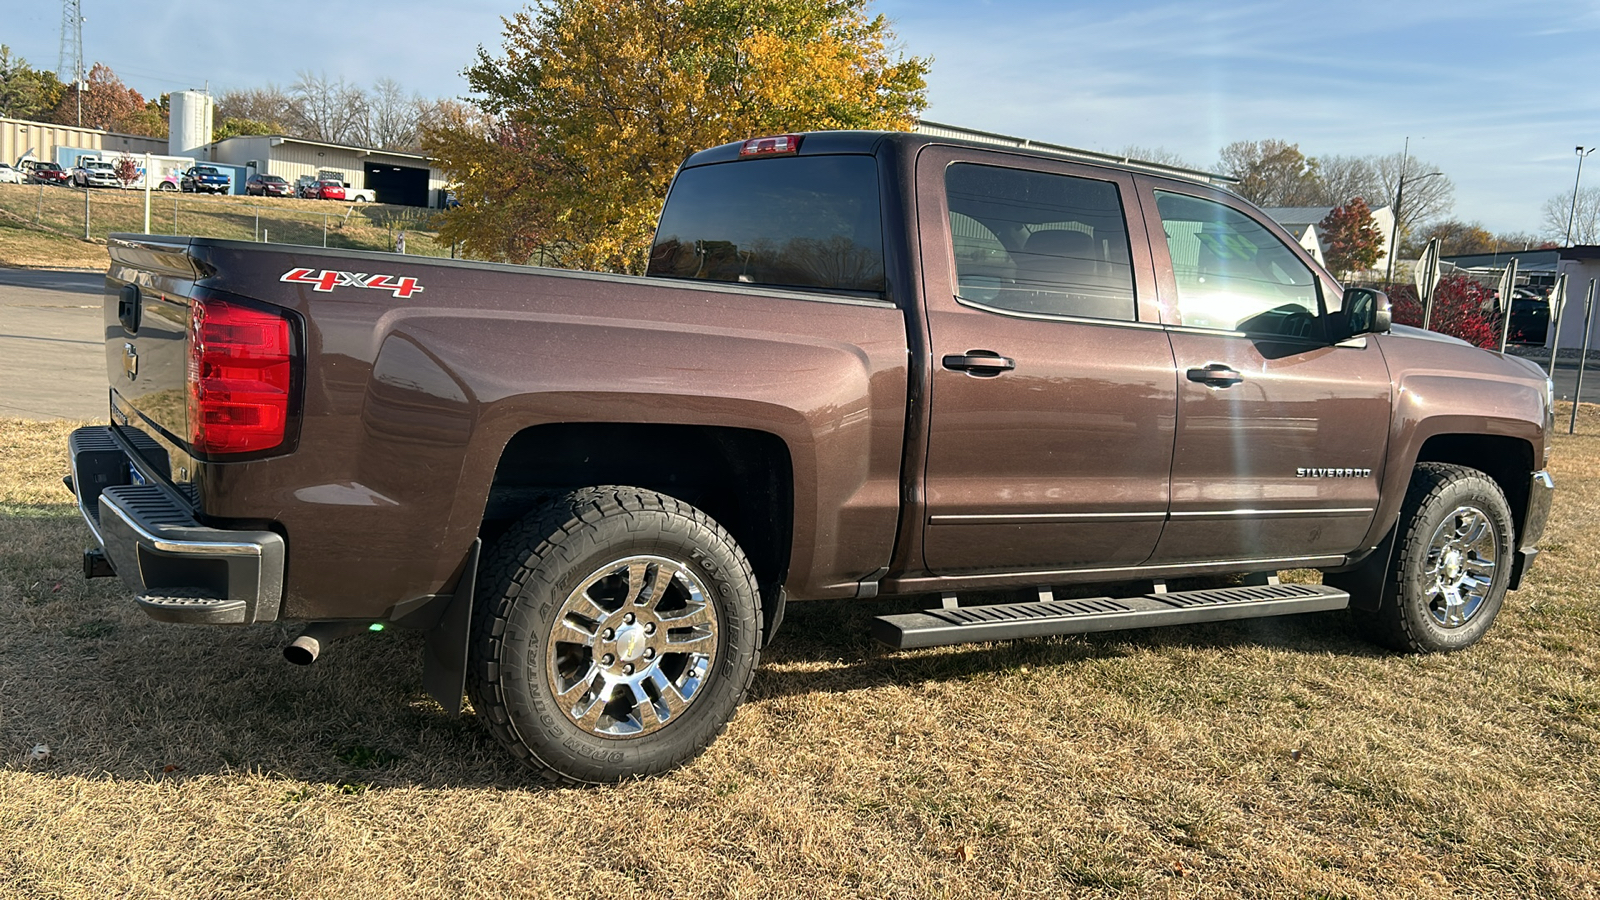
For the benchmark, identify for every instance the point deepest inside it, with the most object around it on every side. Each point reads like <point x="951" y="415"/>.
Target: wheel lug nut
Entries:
<point x="650" y="628"/>
<point x="628" y="618"/>
<point x="608" y="634"/>
<point x="650" y="653"/>
<point x="628" y="669"/>
<point x="607" y="660"/>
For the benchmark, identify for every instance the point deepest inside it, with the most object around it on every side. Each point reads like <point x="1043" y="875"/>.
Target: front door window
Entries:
<point x="1233" y="274"/>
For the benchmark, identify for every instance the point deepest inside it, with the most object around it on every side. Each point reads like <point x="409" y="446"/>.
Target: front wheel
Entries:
<point x="615" y="632"/>
<point x="1452" y="563"/>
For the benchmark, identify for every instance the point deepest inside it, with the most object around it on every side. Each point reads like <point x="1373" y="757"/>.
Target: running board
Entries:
<point x="971" y="624"/>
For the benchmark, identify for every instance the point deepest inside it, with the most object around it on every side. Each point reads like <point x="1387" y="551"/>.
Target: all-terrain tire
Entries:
<point x="565" y="626"/>
<point x="1445" y="591"/>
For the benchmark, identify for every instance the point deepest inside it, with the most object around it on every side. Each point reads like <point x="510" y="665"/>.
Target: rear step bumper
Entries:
<point x="183" y="571"/>
<point x="965" y="625"/>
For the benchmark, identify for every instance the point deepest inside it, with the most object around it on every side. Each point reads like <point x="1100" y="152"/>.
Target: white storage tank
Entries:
<point x="190" y="123"/>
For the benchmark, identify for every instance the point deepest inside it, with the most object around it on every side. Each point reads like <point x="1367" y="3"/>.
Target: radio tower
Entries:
<point x="69" y="63"/>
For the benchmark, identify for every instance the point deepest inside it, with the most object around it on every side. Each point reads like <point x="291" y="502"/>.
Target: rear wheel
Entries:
<point x="1452" y="562"/>
<point x="615" y="632"/>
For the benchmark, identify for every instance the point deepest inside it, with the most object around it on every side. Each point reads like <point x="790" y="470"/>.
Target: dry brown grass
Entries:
<point x="1263" y="759"/>
<point x="42" y="225"/>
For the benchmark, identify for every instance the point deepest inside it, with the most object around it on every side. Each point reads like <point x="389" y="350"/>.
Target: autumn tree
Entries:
<point x="1271" y="173"/>
<point x="1456" y="238"/>
<point x="108" y="104"/>
<point x="593" y="104"/>
<point x="1462" y="308"/>
<point x="1351" y="239"/>
<point x="26" y="92"/>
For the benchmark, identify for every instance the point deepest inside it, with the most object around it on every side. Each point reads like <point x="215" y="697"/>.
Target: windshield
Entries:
<point x="204" y="170"/>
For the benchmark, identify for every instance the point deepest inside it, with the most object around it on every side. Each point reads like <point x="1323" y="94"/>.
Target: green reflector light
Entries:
<point x="376" y="626"/>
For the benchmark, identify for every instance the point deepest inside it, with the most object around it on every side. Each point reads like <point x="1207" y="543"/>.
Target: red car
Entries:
<point x="327" y="190"/>
<point x="47" y="173"/>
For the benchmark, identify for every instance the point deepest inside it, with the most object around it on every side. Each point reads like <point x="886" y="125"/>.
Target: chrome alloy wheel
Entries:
<point x="1460" y="567"/>
<point x="631" y="646"/>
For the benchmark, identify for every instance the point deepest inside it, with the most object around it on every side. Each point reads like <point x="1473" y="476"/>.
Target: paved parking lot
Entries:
<point x="52" y="361"/>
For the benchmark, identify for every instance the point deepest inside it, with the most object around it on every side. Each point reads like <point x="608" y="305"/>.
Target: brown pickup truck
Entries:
<point x="861" y="364"/>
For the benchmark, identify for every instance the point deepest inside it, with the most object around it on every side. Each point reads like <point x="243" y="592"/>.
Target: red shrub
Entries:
<point x="1459" y="310"/>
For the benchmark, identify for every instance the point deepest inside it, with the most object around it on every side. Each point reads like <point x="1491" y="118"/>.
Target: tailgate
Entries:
<point x="146" y="316"/>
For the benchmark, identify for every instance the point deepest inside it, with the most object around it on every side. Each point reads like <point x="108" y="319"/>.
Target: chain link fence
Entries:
<point x="94" y="213"/>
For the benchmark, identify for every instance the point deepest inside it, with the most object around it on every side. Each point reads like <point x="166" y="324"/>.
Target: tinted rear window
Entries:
<point x="801" y="221"/>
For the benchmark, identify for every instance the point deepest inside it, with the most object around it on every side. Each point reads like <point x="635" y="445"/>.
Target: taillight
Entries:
<point x="781" y="145"/>
<point x="240" y="361"/>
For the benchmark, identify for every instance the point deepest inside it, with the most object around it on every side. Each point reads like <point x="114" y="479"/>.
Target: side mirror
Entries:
<point x="1366" y="311"/>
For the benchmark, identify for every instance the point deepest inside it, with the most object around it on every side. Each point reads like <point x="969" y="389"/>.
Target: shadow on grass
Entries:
<point x="115" y="694"/>
<point x="839" y="632"/>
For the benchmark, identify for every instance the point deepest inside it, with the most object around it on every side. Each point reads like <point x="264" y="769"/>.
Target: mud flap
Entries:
<point x="444" y="656"/>
<point x="1368" y="582"/>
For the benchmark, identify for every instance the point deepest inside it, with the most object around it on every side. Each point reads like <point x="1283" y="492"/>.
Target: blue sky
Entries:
<point x="1494" y="94"/>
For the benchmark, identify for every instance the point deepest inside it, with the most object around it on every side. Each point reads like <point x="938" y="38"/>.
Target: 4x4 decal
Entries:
<point x="326" y="280"/>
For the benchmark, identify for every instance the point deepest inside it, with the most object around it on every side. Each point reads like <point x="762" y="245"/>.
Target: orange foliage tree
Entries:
<point x="111" y="105"/>
<point x="580" y="125"/>
<point x="1351" y="238"/>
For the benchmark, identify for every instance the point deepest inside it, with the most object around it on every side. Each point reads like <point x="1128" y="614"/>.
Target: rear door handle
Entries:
<point x="979" y="362"/>
<point x="1216" y="375"/>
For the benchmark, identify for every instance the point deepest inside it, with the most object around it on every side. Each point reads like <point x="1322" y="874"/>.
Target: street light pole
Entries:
<point x="1582" y="152"/>
<point x="1394" y="227"/>
<point x="1394" y="232"/>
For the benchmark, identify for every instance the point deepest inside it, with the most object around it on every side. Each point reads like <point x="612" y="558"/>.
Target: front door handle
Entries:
<point x="979" y="362"/>
<point x="1216" y="375"/>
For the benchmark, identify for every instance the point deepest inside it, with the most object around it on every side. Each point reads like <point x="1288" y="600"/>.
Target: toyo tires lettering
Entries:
<point x="326" y="280"/>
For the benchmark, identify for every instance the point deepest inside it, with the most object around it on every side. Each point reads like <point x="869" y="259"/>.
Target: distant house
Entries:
<point x="1304" y="222"/>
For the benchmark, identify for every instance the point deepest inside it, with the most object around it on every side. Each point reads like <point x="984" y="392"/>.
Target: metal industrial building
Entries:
<point x="408" y="179"/>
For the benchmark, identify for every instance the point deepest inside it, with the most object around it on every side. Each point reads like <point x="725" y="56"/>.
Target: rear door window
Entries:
<point x="1035" y="242"/>
<point x="801" y="221"/>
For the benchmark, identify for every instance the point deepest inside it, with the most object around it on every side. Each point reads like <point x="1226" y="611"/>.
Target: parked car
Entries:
<point x="268" y="186"/>
<point x="859" y="365"/>
<point x="46" y="173"/>
<point x="1530" y="318"/>
<point x="95" y="173"/>
<point x="8" y="175"/>
<point x="205" y="180"/>
<point x="327" y="190"/>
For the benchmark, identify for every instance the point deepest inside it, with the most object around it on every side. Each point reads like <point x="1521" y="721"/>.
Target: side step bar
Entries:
<point x="971" y="624"/>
